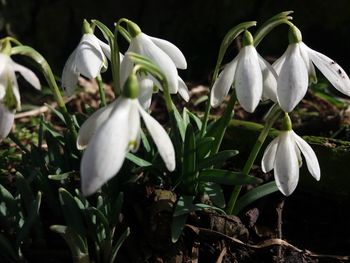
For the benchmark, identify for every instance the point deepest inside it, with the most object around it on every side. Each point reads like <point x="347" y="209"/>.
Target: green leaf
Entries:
<point x="29" y="221"/>
<point x="253" y="195"/>
<point x="25" y="191"/>
<point x="184" y="205"/>
<point x="196" y="120"/>
<point x="119" y="243"/>
<point x="180" y="123"/>
<point x="199" y="207"/>
<point x="116" y="208"/>
<point x="104" y="233"/>
<point x="226" y="177"/>
<point x="217" y="159"/>
<point x="71" y="212"/>
<point x="108" y="35"/>
<point x="7" y="249"/>
<point x="56" y="112"/>
<point x="75" y="242"/>
<point x="137" y="160"/>
<point x="59" y="177"/>
<point x="145" y="142"/>
<point x="204" y="146"/>
<point x="215" y="193"/>
<point x="177" y="226"/>
<point x="270" y="24"/>
<point x="189" y="172"/>
<point x="9" y="200"/>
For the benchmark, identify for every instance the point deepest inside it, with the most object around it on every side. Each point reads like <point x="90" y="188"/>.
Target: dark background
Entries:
<point x="197" y="27"/>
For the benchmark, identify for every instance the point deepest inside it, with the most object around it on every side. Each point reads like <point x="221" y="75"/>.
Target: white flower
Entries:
<point x="295" y="71"/>
<point x="89" y="58"/>
<point x="163" y="54"/>
<point x="109" y="134"/>
<point x="8" y="81"/>
<point x="283" y="155"/>
<point x="251" y="76"/>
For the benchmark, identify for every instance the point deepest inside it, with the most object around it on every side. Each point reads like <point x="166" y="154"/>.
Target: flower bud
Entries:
<point x="247" y="39"/>
<point x="131" y="87"/>
<point x="294" y="35"/>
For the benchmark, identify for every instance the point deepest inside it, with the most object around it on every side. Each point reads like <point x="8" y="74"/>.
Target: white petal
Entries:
<point x="146" y="91"/>
<point x="286" y="168"/>
<point x="223" y="83"/>
<point x="172" y="51"/>
<point x="134" y="126"/>
<point x="106" y="49"/>
<point x="125" y="68"/>
<point x="331" y="70"/>
<point x="89" y="58"/>
<point x="277" y="65"/>
<point x="269" y="80"/>
<point x="183" y="90"/>
<point x="28" y="75"/>
<point x="92" y="124"/>
<point x="106" y="151"/>
<point x="248" y="79"/>
<point x="6" y="121"/>
<point x="310" y="67"/>
<point x="4" y="60"/>
<point x="268" y="160"/>
<point x="292" y="81"/>
<point x="310" y="157"/>
<point x="161" y="139"/>
<point x="148" y="49"/>
<point x="70" y="75"/>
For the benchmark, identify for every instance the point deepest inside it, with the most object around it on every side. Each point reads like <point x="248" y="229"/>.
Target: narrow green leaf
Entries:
<point x="215" y="193"/>
<point x="137" y="160"/>
<point x="226" y="177"/>
<point x="25" y="190"/>
<point x="59" y="177"/>
<point x="7" y="249"/>
<point x="119" y="243"/>
<point x="189" y="171"/>
<point x="9" y="200"/>
<point x="101" y="217"/>
<point x="196" y="120"/>
<point x="29" y="221"/>
<point x="76" y="244"/>
<point x="217" y="159"/>
<point x="204" y="146"/>
<point x="56" y="112"/>
<point x="116" y="207"/>
<point x="180" y="123"/>
<point x="71" y="212"/>
<point x="177" y="226"/>
<point x="184" y="205"/>
<point x="199" y="207"/>
<point x="145" y="142"/>
<point x="253" y="195"/>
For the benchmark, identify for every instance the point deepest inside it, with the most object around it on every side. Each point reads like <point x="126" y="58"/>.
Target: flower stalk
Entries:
<point x="273" y="115"/>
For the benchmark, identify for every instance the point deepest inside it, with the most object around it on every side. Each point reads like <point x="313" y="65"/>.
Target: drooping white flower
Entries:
<point x="163" y="54"/>
<point x="110" y="133"/>
<point x="10" y="99"/>
<point x="284" y="156"/>
<point x="295" y="71"/>
<point x="251" y="76"/>
<point x="89" y="58"/>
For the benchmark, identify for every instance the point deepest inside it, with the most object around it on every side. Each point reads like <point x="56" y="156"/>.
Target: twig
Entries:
<point x="265" y="243"/>
<point x="222" y="254"/>
<point x="279" y="210"/>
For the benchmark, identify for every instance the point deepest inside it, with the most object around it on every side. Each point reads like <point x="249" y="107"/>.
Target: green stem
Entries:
<point x="115" y="61"/>
<point x="225" y="120"/>
<point x="101" y="91"/>
<point x="273" y="115"/>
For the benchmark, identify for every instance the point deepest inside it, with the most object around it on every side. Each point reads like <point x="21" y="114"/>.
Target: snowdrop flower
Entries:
<point x="295" y="70"/>
<point x="283" y="155"/>
<point x="10" y="100"/>
<point x="162" y="53"/>
<point x="89" y="58"/>
<point x="251" y="76"/>
<point x="113" y="131"/>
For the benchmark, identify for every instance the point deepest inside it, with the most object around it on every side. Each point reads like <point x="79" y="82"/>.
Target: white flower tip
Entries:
<point x="80" y="145"/>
